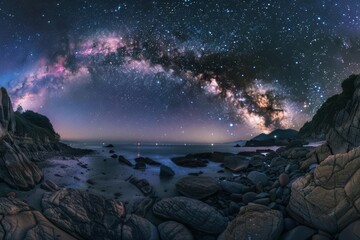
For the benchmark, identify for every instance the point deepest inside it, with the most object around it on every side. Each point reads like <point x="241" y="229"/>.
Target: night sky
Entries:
<point x="185" y="71"/>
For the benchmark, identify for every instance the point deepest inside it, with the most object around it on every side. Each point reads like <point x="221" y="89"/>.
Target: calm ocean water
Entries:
<point x="162" y="151"/>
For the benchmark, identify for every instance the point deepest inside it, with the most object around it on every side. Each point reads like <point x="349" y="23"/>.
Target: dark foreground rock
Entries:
<point x="236" y="163"/>
<point x="299" y="233"/>
<point x="123" y="160"/>
<point x="351" y="232"/>
<point x="147" y="161"/>
<point x="142" y="184"/>
<point x="192" y="160"/>
<point x="197" y="187"/>
<point x="19" y="222"/>
<point x="329" y="198"/>
<point x="193" y="213"/>
<point x="94" y="217"/>
<point x="166" y="171"/>
<point x="174" y="231"/>
<point x="255" y="222"/>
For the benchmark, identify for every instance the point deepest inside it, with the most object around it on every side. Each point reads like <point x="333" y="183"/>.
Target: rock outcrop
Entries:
<point x="7" y="118"/>
<point x="194" y="213"/>
<point x="329" y="198"/>
<point x="94" y="217"/>
<point x="338" y="119"/>
<point x="15" y="167"/>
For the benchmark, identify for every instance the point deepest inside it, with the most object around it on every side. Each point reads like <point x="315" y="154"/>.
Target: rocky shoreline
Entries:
<point x="266" y="189"/>
<point x="296" y="192"/>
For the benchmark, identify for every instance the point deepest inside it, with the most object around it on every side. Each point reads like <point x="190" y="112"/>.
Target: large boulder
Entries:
<point x="329" y="198"/>
<point x="197" y="187"/>
<point x="236" y="163"/>
<point x="18" y="222"/>
<point x="7" y="117"/>
<point x="94" y="217"/>
<point x="351" y="232"/>
<point x="194" y="213"/>
<point x="255" y="222"/>
<point x="174" y="231"/>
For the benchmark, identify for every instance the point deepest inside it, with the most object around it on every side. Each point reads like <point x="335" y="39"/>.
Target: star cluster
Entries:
<point x="186" y="70"/>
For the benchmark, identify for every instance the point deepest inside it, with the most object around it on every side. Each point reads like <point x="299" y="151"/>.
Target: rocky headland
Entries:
<point x="296" y="192"/>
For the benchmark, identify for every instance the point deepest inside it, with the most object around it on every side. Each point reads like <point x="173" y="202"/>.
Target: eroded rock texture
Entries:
<point x="174" y="231"/>
<point x="191" y="212"/>
<point x="197" y="187"/>
<point x="18" y="222"/>
<point x="94" y="217"/>
<point x="255" y="222"/>
<point x="15" y="168"/>
<point x="338" y="118"/>
<point x="329" y="199"/>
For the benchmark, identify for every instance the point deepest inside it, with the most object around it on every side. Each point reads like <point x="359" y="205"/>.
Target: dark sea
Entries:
<point x="164" y="152"/>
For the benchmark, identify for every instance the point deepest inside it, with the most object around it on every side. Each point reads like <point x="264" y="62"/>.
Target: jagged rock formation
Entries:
<point x="18" y="222"/>
<point x="329" y="198"/>
<point x="338" y="118"/>
<point x="15" y="167"/>
<point x="94" y="217"/>
<point x="7" y="118"/>
<point x="26" y="138"/>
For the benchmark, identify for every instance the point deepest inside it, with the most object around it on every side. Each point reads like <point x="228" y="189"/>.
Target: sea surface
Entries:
<point x="111" y="177"/>
<point x="163" y="152"/>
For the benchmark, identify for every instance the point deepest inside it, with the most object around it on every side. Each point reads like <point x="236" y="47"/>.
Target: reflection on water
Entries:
<point x="110" y="176"/>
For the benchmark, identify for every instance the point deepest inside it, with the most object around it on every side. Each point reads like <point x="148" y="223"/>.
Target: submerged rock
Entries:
<point x="194" y="213"/>
<point x="147" y="161"/>
<point x="166" y="171"/>
<point x="123" y="160"/>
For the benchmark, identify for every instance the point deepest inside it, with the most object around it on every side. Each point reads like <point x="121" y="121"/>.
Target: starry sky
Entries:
<point x="176" y="71"/>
